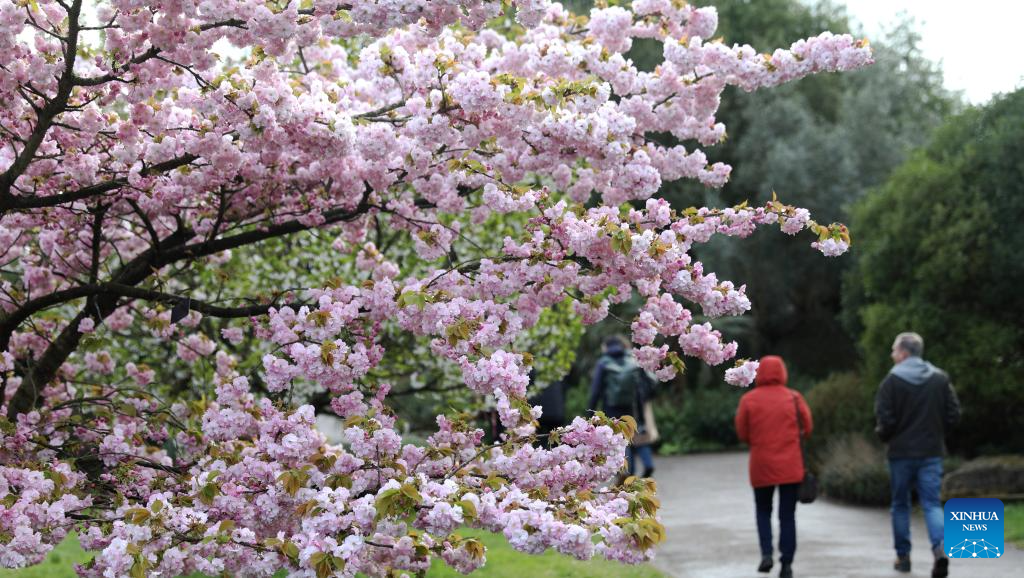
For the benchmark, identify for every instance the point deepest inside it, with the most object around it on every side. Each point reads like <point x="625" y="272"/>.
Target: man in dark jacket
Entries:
<point x="551" y="399"/>
<point x="915" y="406"/>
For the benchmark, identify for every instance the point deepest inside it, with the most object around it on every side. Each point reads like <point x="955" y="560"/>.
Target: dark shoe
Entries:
<point x="648" y="472"/>
<point x="941" y="568"/>
<point x="766" y="564"/>
<point x="786" y="571"/>
<point x="902" y="564"/>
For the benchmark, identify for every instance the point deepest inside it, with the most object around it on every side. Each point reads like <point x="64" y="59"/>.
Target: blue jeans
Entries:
<point x="646" y="457"/>
<point x="787" y="520"/>
<point x="926" y="474"/>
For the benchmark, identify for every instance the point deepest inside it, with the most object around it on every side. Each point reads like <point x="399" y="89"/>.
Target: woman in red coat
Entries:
<point x="767" y="421"/>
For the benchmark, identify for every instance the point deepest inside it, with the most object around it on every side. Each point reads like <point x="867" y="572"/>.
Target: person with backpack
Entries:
<point x="623" y="388"/>
<point x="773" y="419"/>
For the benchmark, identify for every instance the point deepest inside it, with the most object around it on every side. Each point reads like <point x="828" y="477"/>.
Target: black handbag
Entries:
<point x="808" y="491"/>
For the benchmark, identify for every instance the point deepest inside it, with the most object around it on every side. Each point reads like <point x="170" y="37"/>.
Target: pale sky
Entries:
<point x="978" y="41"/>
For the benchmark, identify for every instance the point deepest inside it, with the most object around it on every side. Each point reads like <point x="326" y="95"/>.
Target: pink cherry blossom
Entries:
<point x="447" y="178"/>
<point x="743" y="374"/>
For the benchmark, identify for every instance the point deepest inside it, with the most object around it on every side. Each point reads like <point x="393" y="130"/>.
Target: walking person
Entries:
<point x="622" y="387"/>
<point x="551" y="399"/>
<point x="770" y="419"/>
<point x="915" y="406"/>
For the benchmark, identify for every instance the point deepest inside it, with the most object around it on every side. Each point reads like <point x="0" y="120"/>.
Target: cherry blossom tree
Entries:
<point x="508" y="156"/>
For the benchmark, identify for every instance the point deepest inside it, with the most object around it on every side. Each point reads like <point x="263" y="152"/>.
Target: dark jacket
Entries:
<point x="915" y="405"/>
<point x="552" y="400"/>
<point x="770" y="418"/>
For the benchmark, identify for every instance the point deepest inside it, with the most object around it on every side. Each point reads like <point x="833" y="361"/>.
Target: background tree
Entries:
<point x="850" y="133"/>
<point x="938" y="257"/>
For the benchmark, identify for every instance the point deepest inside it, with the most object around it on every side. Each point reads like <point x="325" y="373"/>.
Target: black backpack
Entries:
<point x="623" y="378"/>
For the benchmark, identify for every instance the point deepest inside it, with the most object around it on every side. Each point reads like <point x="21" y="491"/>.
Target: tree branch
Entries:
<point x="98" y="80"/>
<point x="207" y="309"/>
<point x="12" y="202"/>
<point x="214" y="246"/>
<point x="174" y="248"/>
<point x="53" y="107"/>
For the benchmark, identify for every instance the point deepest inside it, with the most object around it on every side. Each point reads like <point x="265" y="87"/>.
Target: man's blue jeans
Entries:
<point x="926" y="475"/>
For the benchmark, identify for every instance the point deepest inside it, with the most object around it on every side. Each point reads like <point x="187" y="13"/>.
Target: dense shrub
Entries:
<point x="988" y="477"/>
<point x="855" y="470"/>
<point x="841" y="404"/>
<point x="701" y="421"/>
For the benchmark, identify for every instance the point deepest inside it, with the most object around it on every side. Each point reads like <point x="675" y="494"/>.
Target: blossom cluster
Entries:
<point x="135" y="157"/>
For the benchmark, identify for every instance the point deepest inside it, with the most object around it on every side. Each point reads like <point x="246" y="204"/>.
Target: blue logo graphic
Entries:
<point x="974" y="528"/>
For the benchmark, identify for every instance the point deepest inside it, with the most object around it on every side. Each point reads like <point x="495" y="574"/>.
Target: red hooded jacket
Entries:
<point x="767" y="421"/>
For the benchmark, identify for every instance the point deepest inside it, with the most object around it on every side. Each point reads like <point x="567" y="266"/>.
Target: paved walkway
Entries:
<point x="708" y="509"/>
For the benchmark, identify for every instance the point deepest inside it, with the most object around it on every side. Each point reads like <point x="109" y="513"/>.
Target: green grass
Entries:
<point x="58" y="564"/>
<point x="502" y="562"/>
<point x="1013" y="523"/>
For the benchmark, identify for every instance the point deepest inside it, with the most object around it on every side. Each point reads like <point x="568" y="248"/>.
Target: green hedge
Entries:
<point x="841" y="404"/>
<point x="855" y="471"/>
<point x="699" y="421"/>
<point x="987" y="477"/>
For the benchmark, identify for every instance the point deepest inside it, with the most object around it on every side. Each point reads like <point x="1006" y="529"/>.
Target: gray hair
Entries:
<point x="910" y="342"/>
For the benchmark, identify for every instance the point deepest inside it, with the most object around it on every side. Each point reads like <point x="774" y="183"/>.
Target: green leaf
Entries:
<point x="386" y="501"/>
<point x="335" y="481"/>
<point x="410" y="491"/>
<point x="290" y="550"/>
<point x="495" y="482"/>
<point x="627" y="423"/>
<point x="293" y="480"/>
<point x="410" y="298"/>
<point x="321" y="563"/>
<point x="677" y="363"/>
<point x="327" y="350"/>
<point x="137" y="515"/>
<point x="208" y="492"/>
<point x="338" y="562"/>
<point x="622" y="242"/>
<point x="468" y="509"/>
<point x="475" y="165"/>
<point x="475" y="548"/>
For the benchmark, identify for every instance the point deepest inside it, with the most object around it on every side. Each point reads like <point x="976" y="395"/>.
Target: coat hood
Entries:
<point x="771" y="371"/>
<point x="914" y="370"/>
